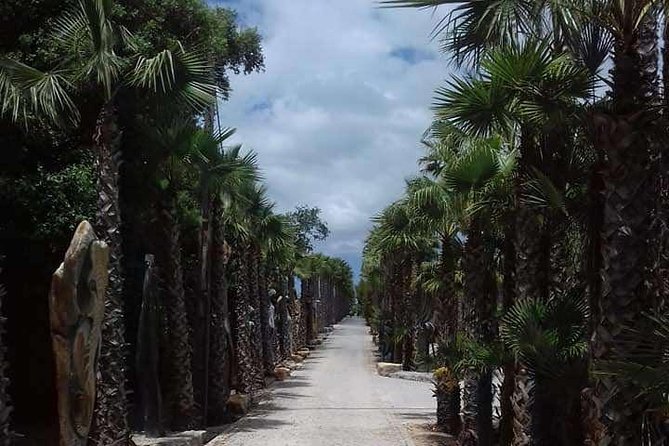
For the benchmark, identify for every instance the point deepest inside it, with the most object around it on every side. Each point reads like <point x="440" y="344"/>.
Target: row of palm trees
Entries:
<point x="219" y="309"/>
<point x="532" y="248"/>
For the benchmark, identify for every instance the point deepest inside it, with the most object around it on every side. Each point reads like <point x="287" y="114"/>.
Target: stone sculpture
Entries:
<point x="76" y="307"/>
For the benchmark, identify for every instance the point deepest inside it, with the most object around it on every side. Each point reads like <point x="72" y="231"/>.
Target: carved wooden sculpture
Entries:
<point x="76" y="305"/>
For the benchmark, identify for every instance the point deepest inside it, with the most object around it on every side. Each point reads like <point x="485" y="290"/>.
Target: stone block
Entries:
<point x="387" y="368"/>
<point x="281" y="373"/>
<point x="238" y="404"/>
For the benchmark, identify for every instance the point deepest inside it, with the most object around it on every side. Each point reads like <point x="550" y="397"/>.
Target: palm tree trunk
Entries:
<point x="478" y="320"/>
<point x="110" y="423"/>
<point x="266" y="331"/>
<point x="180" y="401"/>
<point x="5" y="402"/>
<point x="219" y="354"/>
<point x="253" y="255"/>
<point x="446" y="324"/>
<point x="241" y="331"/>
<point x="627" y="206"/>
<point x="408" y="322"/>
<point x="507" y="423"/>
<point x="204" y="244"/>
<point x="308" y="310"/>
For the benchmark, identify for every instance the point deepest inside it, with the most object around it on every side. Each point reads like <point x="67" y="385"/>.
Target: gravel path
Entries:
<point x="336" y="398"/>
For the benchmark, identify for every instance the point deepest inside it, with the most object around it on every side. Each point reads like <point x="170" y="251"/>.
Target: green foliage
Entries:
<point x="548" y="338"/>
<point x="309" y="227"/>
<point x="51" y="203"/>
<point x="643" y="360"/>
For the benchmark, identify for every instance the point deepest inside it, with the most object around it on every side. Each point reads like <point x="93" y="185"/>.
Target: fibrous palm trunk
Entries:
<point x="5" y="403"/>
<point x="179" y="398"/>
<point x="253" y="259"/>
<point x="627" y="206"/>
<point x="506" y="424"/>
<point x="110" y="423"/>
<point x="241" y="330"/>
<point x="478" y="322"/>
<point x="267" y="333"/>
<point x="448" y="405"/>
<point x="220" y="332"/>
<point x="307" y="311"/>
<point x="408" y="318"/>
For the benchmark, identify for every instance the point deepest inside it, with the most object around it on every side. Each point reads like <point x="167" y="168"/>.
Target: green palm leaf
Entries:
<point x="25" y="90"/>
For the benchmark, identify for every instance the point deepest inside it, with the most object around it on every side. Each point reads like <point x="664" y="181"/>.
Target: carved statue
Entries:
<point x="76" y="307"/>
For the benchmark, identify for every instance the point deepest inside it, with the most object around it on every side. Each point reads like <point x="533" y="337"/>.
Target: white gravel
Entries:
<point x="336" y="398"/>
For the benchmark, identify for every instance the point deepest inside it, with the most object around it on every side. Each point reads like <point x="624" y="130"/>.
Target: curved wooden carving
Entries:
<point x="76" y="307"/>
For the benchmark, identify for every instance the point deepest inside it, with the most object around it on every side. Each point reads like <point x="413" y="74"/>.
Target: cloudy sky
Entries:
<point x="338" y="113"/>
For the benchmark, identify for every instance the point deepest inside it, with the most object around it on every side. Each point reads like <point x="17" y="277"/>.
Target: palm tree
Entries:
<point x="549" y="338"/>
<point x="627" y="201"/>
<point x="275" y="236"/>
<point x="402" y="244"/>
<point x="103" y="55"/>
<point x="223" y="175"/>
<point x="475" y="176"/>
<point x="173" y="142"/>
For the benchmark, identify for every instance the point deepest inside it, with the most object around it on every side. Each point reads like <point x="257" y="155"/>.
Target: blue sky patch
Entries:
<point x="411" y="55"/>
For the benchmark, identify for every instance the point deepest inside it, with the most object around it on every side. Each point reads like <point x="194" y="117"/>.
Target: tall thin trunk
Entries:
<point x="478" y="320"/>
<point x="266" y="331"/>
<point x="241" y="330"/>
<point x="180" y="401"/>
<point x="508" y="415"/>
<point x="5" y="402"/>
<point x="204" y="244"/>
<point x="308" y="310"/>
<point x="110" y="423"/>
<point x="220" y="351"/>
<point x="448" y="405"/>
<point x="253" y="260"/>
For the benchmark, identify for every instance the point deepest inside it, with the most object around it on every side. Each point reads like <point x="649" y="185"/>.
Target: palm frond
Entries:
<point x="185" y="74"/>
<point x="25" y="90"/>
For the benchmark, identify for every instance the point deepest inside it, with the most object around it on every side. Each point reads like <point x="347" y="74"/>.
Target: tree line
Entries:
<point x="109" y="113"/>
<point x="526" y="263"/>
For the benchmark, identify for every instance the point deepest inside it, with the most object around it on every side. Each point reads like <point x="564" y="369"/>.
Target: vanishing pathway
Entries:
<point x="336" y="398"/>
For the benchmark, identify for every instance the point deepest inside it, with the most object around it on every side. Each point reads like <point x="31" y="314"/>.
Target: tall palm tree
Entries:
<point x="275" y="236"/>
<point x="627" y="203"/>
<point x="103" y="55"/>
<point x="224" y="175"/>
<point x="402" y="244"/>
<point x="173" y="143"/>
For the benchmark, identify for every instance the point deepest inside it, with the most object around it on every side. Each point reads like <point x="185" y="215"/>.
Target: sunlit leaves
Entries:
<point x="25" y="90"/>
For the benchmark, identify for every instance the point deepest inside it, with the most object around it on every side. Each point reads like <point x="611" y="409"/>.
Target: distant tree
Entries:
<point x="309" y="227"/>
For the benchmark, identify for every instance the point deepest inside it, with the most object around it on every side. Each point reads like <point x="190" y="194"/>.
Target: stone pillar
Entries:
<point x="76" y="307"/>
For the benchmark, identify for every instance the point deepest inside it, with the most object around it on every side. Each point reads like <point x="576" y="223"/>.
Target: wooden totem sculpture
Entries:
<point x="76" y="307"/>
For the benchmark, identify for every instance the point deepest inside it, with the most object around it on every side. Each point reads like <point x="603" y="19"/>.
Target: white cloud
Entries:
<point x="337" y="116"/>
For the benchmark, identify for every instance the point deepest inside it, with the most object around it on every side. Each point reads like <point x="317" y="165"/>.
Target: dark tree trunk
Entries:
<point x="241" y="321"/>
<point x="268" y="357"/>
<point x="479" y="323"/>
<point x="148" y="356"/>
<point x="5" y="403"/>
<point x="110" y="422"/>
<point x="626" y="223"/>
<point x="253" y="261"/>
<point x="506" y="427"/>
<point x="221" y="338"/>
<point x="178" y="390"/>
